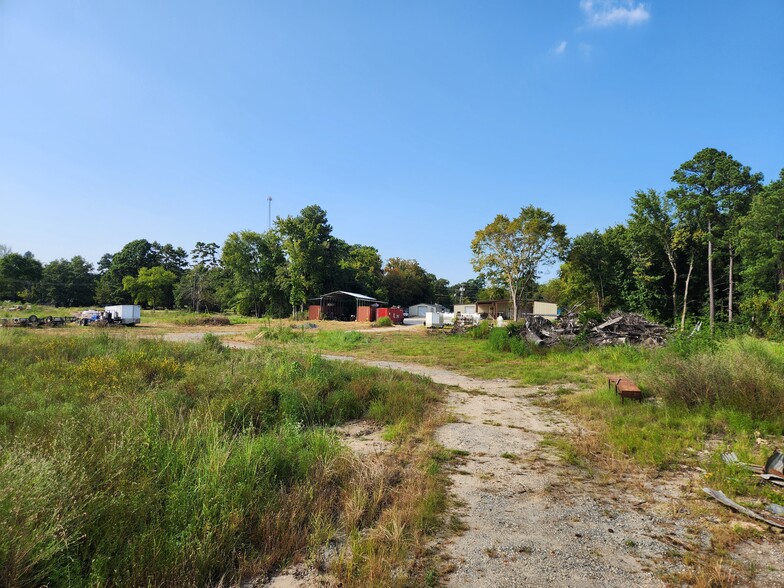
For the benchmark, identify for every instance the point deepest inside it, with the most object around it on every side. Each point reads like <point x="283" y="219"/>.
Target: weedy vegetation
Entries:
<point x="137" y="462"/>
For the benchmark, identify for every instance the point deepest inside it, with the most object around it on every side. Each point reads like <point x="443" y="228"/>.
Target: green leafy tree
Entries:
<point x="67" y="282"/>
<point x="153" y="286"/>
<point x="312" y="254"/>
<point x="512" y="251"/>
<point x="440" y="289"/>
<point x="205" y="254"/>
<point x="762" y="240"/>
<point x="128" y="261"/>
<point x="363" y="272"/>
<point x="715" y="190"/>
<point x="138" y="254"/>
<point x="590" y="263"/>
<point x="492" y="293"/>
<point x="467" y="291"/>
<point x="407" y="282"/>
<point x="19" y="276"/>
<point x="174" y="259"/>
<point x="253" y="262"/>
<point x="658" y="237"/>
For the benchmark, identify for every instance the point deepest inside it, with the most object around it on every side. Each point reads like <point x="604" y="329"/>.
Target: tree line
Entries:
<point x="711" y="247"/>
<point x="257" y="274"/>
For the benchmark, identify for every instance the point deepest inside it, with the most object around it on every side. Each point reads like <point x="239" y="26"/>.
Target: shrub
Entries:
<point x="498" y="339"/>
<point x="520" y="346"/>
<point x="384" y="321"/>
<point x="212" y="343"/>
<point x="740" y="374"/>
<point x="480" y="331"/>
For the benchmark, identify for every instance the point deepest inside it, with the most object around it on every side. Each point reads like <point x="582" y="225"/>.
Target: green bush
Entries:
<point x="480" y="331"/>
<point x="498" y="339"/>
<point x="520" y="347"/>
<point x="384" y="321"/>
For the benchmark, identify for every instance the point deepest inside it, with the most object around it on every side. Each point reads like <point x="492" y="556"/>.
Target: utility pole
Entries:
<point x="269" y="212"/>
<point x="462" y="289"/>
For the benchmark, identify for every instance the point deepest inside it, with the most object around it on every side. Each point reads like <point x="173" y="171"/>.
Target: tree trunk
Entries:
<point x="711" y="297"/>
<point x="674" y="288"/>
<point x="686" y="292"/>
<point x="729" y="299"/>
<point x="779" y="269"/>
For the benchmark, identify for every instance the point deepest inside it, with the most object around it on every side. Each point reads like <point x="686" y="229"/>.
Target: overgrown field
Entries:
<point x="723" y="394"/>
<point x="134" y="462"/>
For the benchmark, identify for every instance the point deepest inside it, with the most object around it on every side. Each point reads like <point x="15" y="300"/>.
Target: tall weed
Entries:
<point x="138" y="462"/>
<point x="744" y="374"/>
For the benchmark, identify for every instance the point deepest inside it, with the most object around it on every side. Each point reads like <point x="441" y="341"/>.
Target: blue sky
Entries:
<point x="411" y="123"/>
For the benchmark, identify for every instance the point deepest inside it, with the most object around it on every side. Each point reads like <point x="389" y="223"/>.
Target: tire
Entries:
<point x="32" y="318"/>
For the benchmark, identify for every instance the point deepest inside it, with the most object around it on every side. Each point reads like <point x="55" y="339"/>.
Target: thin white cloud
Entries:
<point x="607" y="13"/>
<point x="560" y="49"/>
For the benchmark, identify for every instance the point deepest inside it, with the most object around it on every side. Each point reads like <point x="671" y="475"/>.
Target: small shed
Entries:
<point x="343" y="306"/>
<point x="423" y="308"/>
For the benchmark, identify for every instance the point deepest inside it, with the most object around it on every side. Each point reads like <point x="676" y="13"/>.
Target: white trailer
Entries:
<point x="127" y="314"/>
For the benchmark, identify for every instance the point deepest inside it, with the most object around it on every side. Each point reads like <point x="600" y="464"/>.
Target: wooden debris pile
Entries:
<point x="619" y="329"/>
<point x="631" y="328"/>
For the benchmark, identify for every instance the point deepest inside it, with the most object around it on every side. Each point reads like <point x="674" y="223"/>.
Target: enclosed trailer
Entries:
<point x="127" y="314"/>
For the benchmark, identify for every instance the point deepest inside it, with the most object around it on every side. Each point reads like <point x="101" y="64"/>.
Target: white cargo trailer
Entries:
<point x="127" y="314"/>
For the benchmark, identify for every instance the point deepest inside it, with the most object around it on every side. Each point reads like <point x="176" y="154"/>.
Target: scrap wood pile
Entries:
<point x="773" y="472"/>
<point x="619" y="329"/>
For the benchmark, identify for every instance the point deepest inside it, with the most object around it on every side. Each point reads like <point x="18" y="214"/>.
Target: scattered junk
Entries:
<point x="462" y="322"/>
<point x="772" y="471"/>
<point x="625" y="388"/>
<point x="769" y="519"/>
<point x="775" y="464"/>
<point x="34" y="322"/>
<point x="621" y="328"/>
<point x="116" y="315"/>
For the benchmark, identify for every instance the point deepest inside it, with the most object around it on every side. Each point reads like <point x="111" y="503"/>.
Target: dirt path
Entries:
<point x="531" y="520"/>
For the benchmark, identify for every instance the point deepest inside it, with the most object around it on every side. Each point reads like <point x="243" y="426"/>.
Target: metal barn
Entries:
<point x="343" y="306"/>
